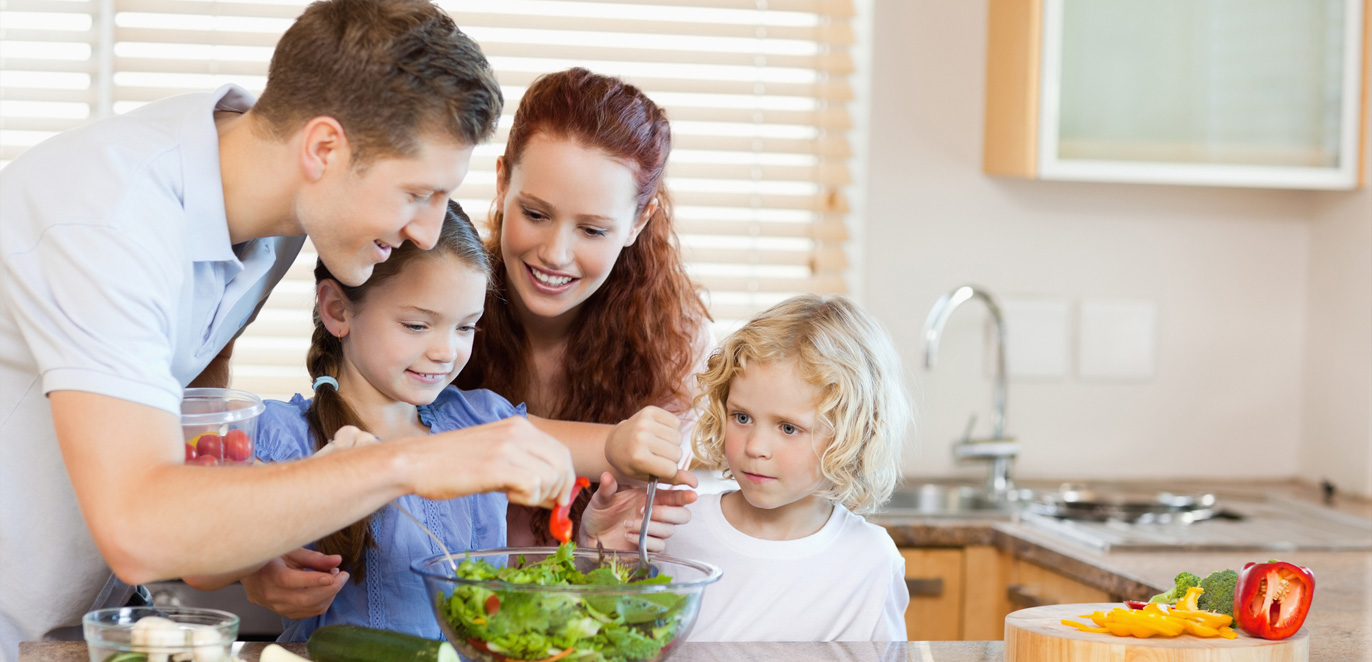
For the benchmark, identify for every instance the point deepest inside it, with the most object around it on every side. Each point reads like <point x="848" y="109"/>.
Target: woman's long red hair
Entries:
<point x="635" y="339"/>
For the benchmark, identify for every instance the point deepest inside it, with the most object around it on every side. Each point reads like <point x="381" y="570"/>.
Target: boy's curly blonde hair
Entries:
<point x="863" y="407"/>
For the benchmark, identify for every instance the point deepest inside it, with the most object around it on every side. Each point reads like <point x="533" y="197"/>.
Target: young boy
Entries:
<point x="134" y="250"/>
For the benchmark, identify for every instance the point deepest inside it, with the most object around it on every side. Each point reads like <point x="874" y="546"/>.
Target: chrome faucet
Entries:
<point x="997" y="448"/>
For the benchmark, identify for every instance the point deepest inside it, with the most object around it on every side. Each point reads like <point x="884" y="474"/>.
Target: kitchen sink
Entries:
<point x="951" y="499"/>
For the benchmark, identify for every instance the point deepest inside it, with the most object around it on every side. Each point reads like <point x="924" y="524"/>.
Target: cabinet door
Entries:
<point x="934" y="577"/>
<point x="1266" y="93"/>
<point x="1032" y="585"/>
<point x="985" y="601"/>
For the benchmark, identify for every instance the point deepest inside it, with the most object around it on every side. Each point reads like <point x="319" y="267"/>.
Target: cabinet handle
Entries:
<point x="924" y="586"/>
<point x="1021" y="598"/>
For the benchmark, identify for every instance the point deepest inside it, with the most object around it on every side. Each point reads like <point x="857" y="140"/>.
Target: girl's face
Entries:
<point x="568" y="212"/>
<point x="410" y="335"/>
<point x="770" y="438"/>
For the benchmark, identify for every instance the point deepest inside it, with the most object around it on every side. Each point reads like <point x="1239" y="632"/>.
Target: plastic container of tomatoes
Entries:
<point x="220" y="425"/>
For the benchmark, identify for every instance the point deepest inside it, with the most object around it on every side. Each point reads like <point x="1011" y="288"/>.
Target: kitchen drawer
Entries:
<point x="1032" y="585"/>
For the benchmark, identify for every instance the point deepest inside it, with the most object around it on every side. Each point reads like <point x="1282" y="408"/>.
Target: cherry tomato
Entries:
<point x="207" y="460"/>
<point x="209" y="444"/>
<point x="492" y="605"/>
<point x="560" y="524"/>
<point x="237" y="446"/>
<point x="190" y="452"/>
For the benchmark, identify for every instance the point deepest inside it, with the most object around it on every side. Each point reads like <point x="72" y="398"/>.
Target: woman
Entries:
<point x="592" y="315"/>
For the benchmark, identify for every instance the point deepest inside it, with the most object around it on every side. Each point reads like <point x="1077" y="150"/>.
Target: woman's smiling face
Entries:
<point x="568" y="213"/>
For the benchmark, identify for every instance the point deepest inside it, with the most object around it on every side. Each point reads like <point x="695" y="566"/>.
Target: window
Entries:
<point x="758" y="92"/>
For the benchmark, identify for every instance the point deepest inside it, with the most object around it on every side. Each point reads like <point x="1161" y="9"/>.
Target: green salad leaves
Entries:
<point x="572" y="626"/>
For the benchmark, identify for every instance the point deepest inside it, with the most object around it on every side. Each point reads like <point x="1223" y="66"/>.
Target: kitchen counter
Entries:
<point x="1340" y="621"/>
<point x="918" y="651"/>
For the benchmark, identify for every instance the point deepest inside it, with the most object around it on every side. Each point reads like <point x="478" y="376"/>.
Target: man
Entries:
<point x="137" y="247"/>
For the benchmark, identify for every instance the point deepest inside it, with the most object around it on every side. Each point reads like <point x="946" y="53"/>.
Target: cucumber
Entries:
<point x="354" y="643"/>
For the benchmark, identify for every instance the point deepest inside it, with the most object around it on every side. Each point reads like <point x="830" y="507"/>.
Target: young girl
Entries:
<point x="805" y="407"/>
<point x="592" y="315"/>
<point x="382" y="356"/>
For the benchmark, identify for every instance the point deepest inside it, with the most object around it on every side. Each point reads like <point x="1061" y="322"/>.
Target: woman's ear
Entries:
<point x="333" y="307"/>
<point x="642" y="221"/>
<point x="323" y="146"/>
<point x="501" y="185"/>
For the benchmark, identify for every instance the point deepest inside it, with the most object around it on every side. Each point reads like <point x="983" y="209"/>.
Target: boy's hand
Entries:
<point x="648" y="444"/>
<point x="615" y="515"/>
<point x="300" y="584"/>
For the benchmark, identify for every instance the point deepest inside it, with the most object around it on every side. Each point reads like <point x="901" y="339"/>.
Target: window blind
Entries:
<point x="758" y="93"/>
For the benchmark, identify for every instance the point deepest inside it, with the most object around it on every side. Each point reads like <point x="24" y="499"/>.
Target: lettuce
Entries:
<point x="529" y="625"/>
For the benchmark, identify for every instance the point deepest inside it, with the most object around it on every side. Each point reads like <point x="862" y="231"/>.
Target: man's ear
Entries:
<point x="334" y="309"/>
<point x="642" y="221"/>
<point x="323" y="146"/>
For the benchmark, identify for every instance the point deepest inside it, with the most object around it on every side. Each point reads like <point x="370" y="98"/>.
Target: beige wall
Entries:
<point x="1230" y="270"/>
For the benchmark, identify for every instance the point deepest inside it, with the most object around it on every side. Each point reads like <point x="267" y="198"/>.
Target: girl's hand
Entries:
<point x="648" y="444"/>
<point x="510" y="456"/>
<point x="614" y="516"/>
<point x="348" y="437"/>
<point x="300" y="584"/>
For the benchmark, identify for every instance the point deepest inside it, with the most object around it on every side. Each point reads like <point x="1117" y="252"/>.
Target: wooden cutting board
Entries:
<point x="1038" y="635"/>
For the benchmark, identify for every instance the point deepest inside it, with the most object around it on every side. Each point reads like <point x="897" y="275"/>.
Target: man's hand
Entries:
<point x="300" y="584"/>
<point x="614" y="516"/>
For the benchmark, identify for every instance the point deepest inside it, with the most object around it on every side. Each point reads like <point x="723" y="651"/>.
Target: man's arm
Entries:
<point x="154" y="517"/>
<point x="216" y="374"/>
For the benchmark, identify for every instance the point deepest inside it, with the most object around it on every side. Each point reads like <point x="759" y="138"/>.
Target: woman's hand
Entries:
<point x="510" y="456"/>
<point x="648" y="444"/>
<point x="614" y="516"/>
<point x="300" y="584"/>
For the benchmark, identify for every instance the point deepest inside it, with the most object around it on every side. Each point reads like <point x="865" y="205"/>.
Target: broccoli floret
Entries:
<point x="1184" y="581"/>
<point x="1219" y="591"/>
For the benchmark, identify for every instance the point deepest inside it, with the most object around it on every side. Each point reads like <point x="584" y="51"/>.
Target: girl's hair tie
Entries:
<point x="325" y="379"/>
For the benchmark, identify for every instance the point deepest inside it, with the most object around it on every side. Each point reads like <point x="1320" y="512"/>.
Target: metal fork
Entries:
<point x="646" y="569"/>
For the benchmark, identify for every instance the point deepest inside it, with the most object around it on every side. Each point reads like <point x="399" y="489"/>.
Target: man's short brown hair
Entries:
<point x="387" y="70"/>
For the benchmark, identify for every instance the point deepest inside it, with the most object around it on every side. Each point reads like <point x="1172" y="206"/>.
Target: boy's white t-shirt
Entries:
<point x="845" y="582"/>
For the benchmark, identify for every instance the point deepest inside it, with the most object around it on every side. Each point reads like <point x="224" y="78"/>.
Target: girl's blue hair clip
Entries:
<point x="325" y="379"/>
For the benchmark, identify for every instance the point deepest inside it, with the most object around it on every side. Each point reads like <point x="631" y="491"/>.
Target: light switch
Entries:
<point x="1117" y="339"/>
<point x="1037" y="333"/>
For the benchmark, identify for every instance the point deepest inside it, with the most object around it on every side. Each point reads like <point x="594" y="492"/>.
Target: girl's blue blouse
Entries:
<point x="392" y="596"/>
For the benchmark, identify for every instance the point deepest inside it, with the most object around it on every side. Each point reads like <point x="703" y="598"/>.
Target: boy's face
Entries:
<point x="355" y="217"/>
<point x="568" y="213"/>
<point x="411" y="335"/>
<point x="770" y="438"/>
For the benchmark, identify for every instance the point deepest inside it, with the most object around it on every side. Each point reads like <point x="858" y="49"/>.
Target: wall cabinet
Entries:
<point x="964" y="594"/>
<point x="1260" y="93"/>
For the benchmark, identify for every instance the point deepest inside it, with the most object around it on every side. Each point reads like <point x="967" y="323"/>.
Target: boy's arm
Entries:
<point x="153" y="517"/>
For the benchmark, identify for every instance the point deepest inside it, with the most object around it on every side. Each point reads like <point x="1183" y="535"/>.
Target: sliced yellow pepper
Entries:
<point x="1209" y="618"/>
<point x="1188" y="602"/>
<point x="1084" y="628"/>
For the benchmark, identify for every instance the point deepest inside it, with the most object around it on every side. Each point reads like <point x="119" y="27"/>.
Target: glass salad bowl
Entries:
<point x="536" y="603"/>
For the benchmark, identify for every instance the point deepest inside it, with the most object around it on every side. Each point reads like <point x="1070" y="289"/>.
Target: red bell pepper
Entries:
<point x="1271" y="599"/>
<point x="561" y="523"/>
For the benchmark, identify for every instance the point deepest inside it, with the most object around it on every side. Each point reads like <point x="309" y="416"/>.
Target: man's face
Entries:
<point x="355" y="216"/>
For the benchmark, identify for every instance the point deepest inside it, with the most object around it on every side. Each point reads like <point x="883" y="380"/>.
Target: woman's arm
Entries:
<point x="645" y="445"/>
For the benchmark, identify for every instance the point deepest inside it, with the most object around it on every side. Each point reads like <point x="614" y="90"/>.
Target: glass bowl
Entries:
<point x="219" y="425"/>
<point x="491" y="620"/>
<point x="195" y="635"/>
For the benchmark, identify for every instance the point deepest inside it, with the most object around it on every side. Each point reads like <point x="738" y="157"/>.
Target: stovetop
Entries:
<point x="1270" y="522"/>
